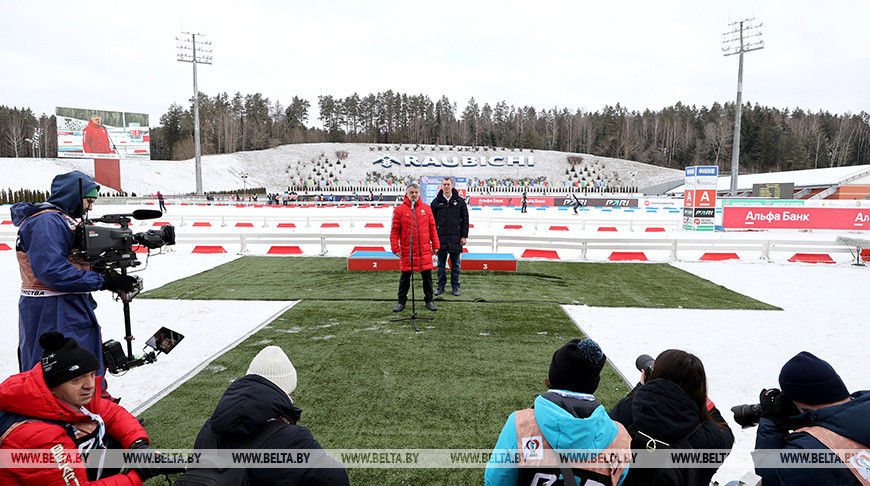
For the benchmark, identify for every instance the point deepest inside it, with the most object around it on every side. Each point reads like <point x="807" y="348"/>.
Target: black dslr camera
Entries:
<point x="771" y="403"/>
<point x="645" y="363"/>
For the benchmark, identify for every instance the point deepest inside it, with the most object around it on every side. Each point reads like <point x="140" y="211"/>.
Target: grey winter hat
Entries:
<point x="273" y="364"/>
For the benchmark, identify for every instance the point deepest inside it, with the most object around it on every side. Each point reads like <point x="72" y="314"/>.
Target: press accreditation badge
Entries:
<point x="861" y="463"/>
<point x="533" y="448"/>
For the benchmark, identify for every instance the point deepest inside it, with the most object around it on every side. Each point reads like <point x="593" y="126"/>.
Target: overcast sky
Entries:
<point x="576" y="54"/>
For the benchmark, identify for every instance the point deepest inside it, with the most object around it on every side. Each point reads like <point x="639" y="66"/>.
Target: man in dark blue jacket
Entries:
<point x="814" y="412"/>
<point x="55" y="283"/>
<point x="259" y="398"/>
<point x="451" y="219"/>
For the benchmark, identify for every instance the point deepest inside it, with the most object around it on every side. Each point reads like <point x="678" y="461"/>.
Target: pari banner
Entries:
<point x="87" y="133"/>
<point x="742" y="217"/>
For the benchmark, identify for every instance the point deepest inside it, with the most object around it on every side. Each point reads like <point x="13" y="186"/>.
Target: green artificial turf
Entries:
<point x="368" y="383"/>
<point x="596" y="284"/>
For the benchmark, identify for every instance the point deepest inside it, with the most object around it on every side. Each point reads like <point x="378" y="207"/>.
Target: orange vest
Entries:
<point x="539" y="463"/>
<point x="28" y="279"/>
<point x="858" y="463"/>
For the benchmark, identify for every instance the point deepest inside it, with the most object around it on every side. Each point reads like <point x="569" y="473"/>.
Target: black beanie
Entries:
<point x="63" y="359"/>
<point x="576" y="366"/>
<point x="808" y="379"/>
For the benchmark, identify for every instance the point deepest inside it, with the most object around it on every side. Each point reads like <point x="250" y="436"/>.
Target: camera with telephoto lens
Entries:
<point x="772" y="404"/>
<point x="107" y="248"/>
<point x="747" y="415"/>
<point x="645" y="363"/>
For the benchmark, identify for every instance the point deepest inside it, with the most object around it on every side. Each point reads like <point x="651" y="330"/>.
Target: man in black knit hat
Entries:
<point x="566" y="417"/>
<point x="54" y="407"/>
<point x="814" y="411"/>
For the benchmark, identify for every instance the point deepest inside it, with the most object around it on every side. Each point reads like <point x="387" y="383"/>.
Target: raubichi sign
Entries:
<point x="387" y="161"/>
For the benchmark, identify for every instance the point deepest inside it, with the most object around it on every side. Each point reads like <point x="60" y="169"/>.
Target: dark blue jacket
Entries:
<point x="244" y="408"/>
<point x="850" y="419"/>
<point x="47" y="240"/>
<point x="451" y="220"/>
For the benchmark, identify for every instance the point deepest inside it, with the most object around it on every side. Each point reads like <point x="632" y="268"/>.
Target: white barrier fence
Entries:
<point x="336" y="232"/>
<point x="674" y="246"/>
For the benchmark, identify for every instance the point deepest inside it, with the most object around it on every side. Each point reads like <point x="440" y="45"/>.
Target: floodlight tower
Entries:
<point x="745" y="36"/>
<point x="195" y="51"/>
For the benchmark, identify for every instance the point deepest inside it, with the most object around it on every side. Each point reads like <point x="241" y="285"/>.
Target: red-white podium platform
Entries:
<point x="384" y="260"/>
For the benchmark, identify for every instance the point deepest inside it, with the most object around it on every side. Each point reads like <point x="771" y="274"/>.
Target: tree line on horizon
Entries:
<point x="677" y="136"/>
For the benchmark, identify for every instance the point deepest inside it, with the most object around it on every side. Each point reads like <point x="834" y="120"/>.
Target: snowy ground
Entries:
<point x="824" y="309"/>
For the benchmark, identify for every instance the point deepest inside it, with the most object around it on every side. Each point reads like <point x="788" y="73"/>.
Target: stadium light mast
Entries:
<point x="195" y="51"/>
<point x="745" y="36"/>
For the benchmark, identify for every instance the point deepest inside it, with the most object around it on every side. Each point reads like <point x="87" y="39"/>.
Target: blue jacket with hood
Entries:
<point x="849" y="419"/>
<point x="566" y="423"/>
<point x="47" y="241"/>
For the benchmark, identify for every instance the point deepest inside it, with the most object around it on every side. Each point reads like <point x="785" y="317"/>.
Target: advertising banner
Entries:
<point x="700" y="195"/>
<point x="86" y="133"/>
<point x="509" y="200"/>
<point x="595" y="202"/>
<point x="430" y="185"/>
<point x="772" y="217"/>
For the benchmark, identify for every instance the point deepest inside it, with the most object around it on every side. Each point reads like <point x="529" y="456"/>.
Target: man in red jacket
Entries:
<point x="54" y="408"/>
<point x="95" y="138"/>
<point x="413" y="220"/>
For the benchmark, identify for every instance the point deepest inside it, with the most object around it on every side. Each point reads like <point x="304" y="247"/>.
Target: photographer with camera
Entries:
<point x="565" y="418"/>
<point x="55" y="283"/>
<point x="257" y="412"/>
<point x="814" y="411"/>
<point x="669" y="408"/>
<point x="55" y="408"/>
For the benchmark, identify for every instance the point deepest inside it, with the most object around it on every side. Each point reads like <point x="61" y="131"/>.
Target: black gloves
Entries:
<point x="118" y="283"/>
<point x="145" y="470"/>
<point x="775" y="406"/>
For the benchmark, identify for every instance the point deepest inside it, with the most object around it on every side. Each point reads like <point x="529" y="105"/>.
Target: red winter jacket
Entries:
<point x="425" y="234"/>
<point x="26" y="394"/>
<point x="95" y="139"/>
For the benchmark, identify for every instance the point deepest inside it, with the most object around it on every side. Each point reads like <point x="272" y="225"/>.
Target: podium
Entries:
<point x="384" y="260"/>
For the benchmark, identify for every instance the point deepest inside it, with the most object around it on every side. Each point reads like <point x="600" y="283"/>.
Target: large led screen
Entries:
<point x="99" y="134"/>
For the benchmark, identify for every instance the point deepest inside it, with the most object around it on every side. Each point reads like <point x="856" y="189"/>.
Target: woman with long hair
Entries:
<point x="670" y="409"/>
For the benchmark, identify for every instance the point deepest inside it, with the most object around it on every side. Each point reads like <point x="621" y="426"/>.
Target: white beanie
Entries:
<point x="274" y="365"/>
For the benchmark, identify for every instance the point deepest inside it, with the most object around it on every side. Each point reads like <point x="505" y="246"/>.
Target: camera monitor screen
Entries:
<point x="164" y="340"/>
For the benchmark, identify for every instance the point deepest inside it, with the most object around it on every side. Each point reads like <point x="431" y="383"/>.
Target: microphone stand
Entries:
<point x="414" y="226"/>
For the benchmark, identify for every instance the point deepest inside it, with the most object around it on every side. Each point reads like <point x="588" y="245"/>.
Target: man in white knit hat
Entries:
<point x="238" y="422"/>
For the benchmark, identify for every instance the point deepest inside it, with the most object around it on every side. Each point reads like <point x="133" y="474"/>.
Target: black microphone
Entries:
<point x="412" y="204"/>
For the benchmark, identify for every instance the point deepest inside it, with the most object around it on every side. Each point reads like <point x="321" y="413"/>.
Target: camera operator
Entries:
<point x="670" y="408"/>
<point x="55" y="284"/>
<point x="55" y="406"/>
<point x="813" y="411"/>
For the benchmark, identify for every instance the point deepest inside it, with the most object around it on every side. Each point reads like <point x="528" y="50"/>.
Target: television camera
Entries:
<point x="109" y="249"/>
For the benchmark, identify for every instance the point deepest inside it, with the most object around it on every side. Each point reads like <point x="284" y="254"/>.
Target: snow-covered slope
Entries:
<point x="275" y="168"/>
